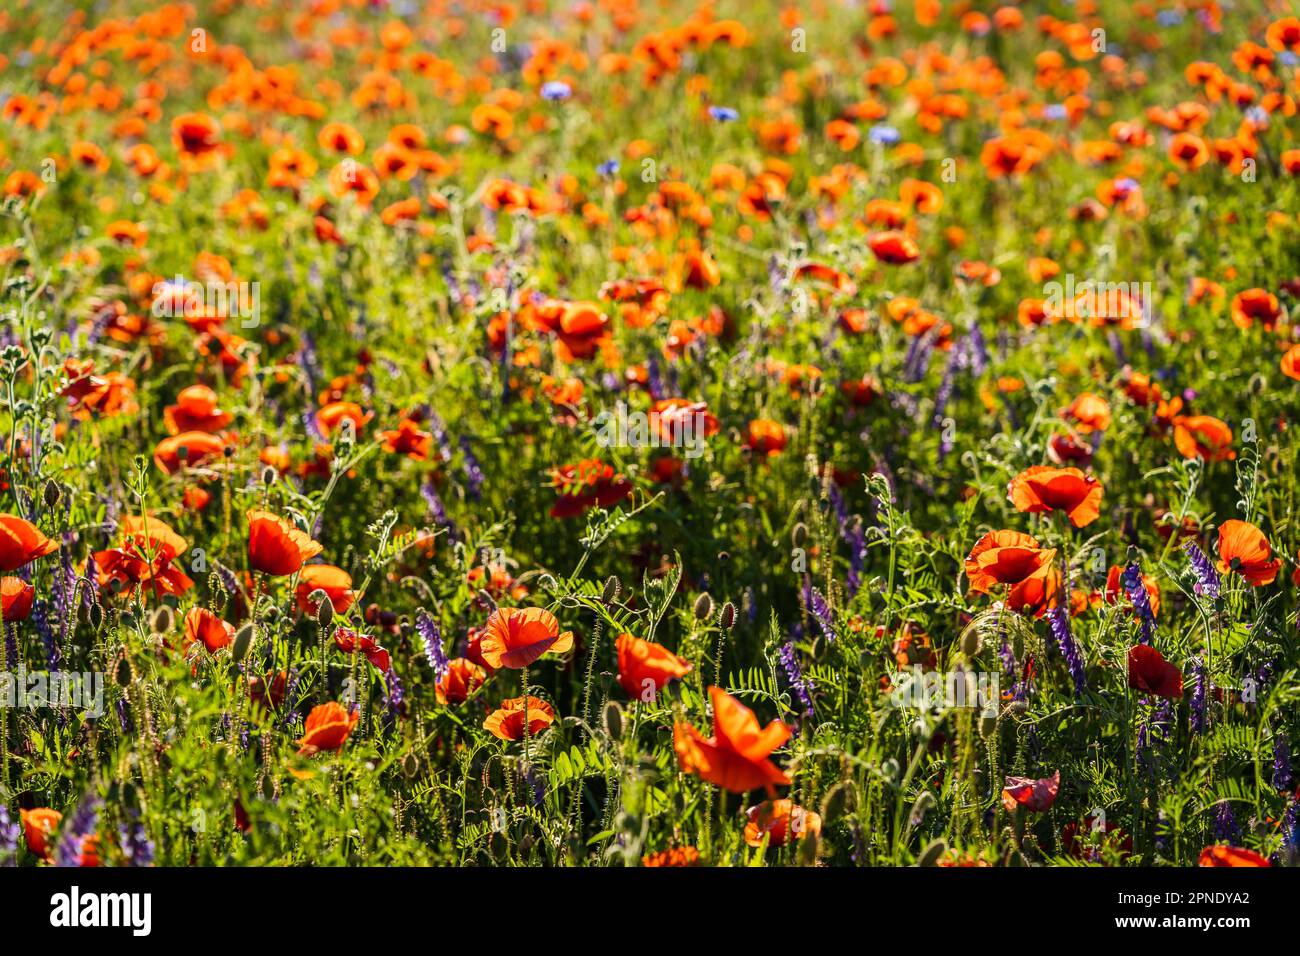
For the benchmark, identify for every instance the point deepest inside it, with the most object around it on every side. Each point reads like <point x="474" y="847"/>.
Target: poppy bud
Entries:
<point x="123" y="673"/>
<point x="488" y="600"/>
<point x="243" y="641"/>
<point x="324" y="607"/>
<point x="971" y="642"/>
<point x="163" y="620"/>
<point x="727" y="619"/>
<point x="613" y="720"/>
<point x="96" y="615"/>
<point x="988" y="724"/>
<point x="52" y="492"/>
<point x="613" y="587"/>
<point x="411" y="765"/>
<point x="268" y="475"/>
<point x="933" y="852"/>
<point x="797" y="534"/>
<point x="703" y="607"/>
<point x="836" y="801"/>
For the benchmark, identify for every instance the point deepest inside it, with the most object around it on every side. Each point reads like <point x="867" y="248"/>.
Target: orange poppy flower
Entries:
<point x="204" y="627"/>
<point x="515" y="637"/>
<point x="1231" y="856"/>
<point x="1255" y="305"/>
<point x="21" y="542"/>
<point x="1034" y="795"/>
<point x="1202" y="436"/>
<point x="779" y="821"/>
<point x="327" y="728"/>
<point x="335" y="582"/>
<point x="894" y="247"/>
<point x="276" y="547"/>
<point x="766" y="437"/>
<point x="1291" y="362"/>
<point x="1189" y="151"/>
<point x="736" y="756"/>
<point x="1244" y="548"/>
<point x="1149" y="672"/>
<point x="146" y="556"/>
<point x="461" y="679"/>
<point x="38" y="826"/>
<point x="644" y="666"/>
<point x="1006" y="558"/>
<point x="507" y="722"/>
<point x="16" y="597"/>
<point x="1042" y="488"/>
<point x="187" y="450"/>
<point x="1089" y="413"/>
<point x="195" y="411"/>
<point x="196" y="137"/>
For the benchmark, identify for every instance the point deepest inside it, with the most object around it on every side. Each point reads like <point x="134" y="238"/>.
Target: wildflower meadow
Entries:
<point x="615" y="433"/>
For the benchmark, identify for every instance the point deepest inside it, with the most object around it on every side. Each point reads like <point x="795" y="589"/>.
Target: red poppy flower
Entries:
<point x="507" y="722"/>
<point x="275" y="546"/>
<point x="350" y="642"/>
<point x="21" y="542"/>
<point x="335" y="582"/>
<point x="894" y="247"/>
<point x="515" y="637"/>
<point x="204" y="627"/>
<point x="38" y="826"/>
<point x="461" y="679"/>
<point x="1230" y="856"/>
<point x="779" y="820"/>
<point x="644" y="666"/>
<point x="1034" y="795"/>
<point x="736" y="756"/>
<point x="16" y="597"/>
<point x="327" y="728"/>
<point x="1149" y="672"/>
<point x="1042" y="488"/>
<point x="1244" y="548"/>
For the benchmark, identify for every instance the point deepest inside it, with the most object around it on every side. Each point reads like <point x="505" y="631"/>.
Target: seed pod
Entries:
<point x="613" y="587"/>
<point x="727" y="619"/>
<point x="324" y="607"/>
<point x="52" y="493"/>
<point x="164" y="619"/>
<point x="703" y="607"/>
<point x="123" y="673"/>
<point x="613" y="720"/>
<point x="933" y="852"/>
<point x="243" y="641"/>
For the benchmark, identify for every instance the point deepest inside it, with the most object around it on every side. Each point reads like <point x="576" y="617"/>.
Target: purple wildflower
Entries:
<point x="1059" y="619"/>
<point x="1282" y="779"/>
<point x="79" y="829"/>
<point x="1137" y="594"/>
<point x="799" y="684"/>
<point x="1207" y="578"/>
<point x="432" y="637"/>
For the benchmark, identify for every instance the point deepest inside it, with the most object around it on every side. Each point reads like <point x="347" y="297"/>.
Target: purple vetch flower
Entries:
<point x="393" y="693"/>
<point x="1059" y="618"/>
<point x="1199" y="716"/>
<point x="1137" y="594"/>
<point x="9" y="832"/>
<point x="1226" y="829"/>
<point x="1282" y="779"/>
<point x="136" y="845"/>
<point x="40" y="619"/>
<point x="1207" y="578"/>
<point x="77" y="831"/>
<point x="819" y="609"/>
<point x="437" y="510"/>
<point x="799" y="684"/>
<point x="473" y="472"/>
<point x="432" y="637"/>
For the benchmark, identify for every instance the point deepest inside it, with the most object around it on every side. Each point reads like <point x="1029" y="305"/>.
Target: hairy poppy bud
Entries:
<point x="123" y="673"/>
<point x="933" y="853"/>
<point x="163" y="620"/>
<point x="703" y="607"/>
<point x="613" y="720"/>
<point x="268" y="475"/>
<point x="324" y="607"/>
<point x="613" y="587"/>
<point x="96" y="615"/>
<point x="243" y="641"/>
<point x="727" y="619"/>
<point x="52" y="493"/>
